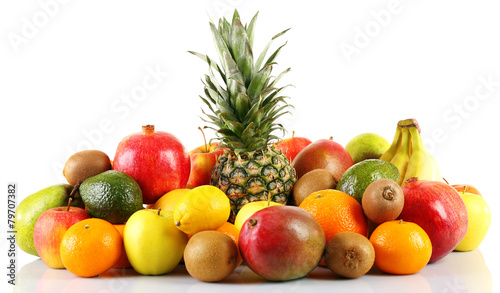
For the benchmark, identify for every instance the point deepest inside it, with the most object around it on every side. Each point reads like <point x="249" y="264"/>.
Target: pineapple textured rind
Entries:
<point x="244" y="103"/>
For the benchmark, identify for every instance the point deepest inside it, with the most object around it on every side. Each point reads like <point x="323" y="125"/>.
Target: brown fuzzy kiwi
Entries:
<point x="382" y="201"/>
<point x="85" y="164"/>
<point x="312" y="181"/>
<point x="349" y="254"/>
<point x="210" y="256"/>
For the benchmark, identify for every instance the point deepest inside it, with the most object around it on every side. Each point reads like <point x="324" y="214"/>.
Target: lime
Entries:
<point x="112" y="196"/>
<point x="356" y="179"/>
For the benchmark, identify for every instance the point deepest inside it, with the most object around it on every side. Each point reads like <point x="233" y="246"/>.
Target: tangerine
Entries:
<point x="336" y="211"/>
<point x="122" y="262"/>
<point x="91" y="247"/>
<point x="401" y="247"/>
<point x="234" y="233"/>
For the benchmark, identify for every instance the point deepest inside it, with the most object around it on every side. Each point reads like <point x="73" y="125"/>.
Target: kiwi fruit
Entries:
<point x="349" y="254"/>
<point x="312" y="181"/>
<point x="85" y="164"/>
<point x="382" y="201"/>
<point x="210" y="256"/>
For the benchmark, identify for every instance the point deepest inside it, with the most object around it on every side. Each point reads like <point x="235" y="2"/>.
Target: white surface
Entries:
<point x="71" y="82"/>
<point x="458" y="272"/>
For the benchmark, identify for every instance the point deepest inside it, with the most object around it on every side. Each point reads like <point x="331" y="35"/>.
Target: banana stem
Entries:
<point x="407" y="123"/>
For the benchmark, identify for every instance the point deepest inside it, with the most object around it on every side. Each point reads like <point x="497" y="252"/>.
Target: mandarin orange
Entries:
<point x="90" y="247"/>
<point x="401" y="247"/>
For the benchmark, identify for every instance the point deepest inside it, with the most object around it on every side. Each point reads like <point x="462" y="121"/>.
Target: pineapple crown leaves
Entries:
<point x="245" y="108"/>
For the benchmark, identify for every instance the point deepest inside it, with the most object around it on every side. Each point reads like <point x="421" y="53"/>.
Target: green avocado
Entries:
<point x="33" y="206"/>
<point x="356" y="179"/>
<point x="112" y="196"/>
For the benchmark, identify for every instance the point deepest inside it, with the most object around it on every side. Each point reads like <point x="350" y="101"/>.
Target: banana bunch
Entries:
<point x="407" y="152"/>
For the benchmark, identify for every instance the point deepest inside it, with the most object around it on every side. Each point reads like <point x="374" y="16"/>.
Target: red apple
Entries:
<point x="467" y="188"/>
<point x="323" y="154"/>
<point x="461" y="188"/>
<point x="49" y="230"/>
<point x="292" y="146"/>
<point x="203" y="159"/>
<point x="439" y="209"/>
<point x="291" y="253"/>
<point x="156" y="160"/>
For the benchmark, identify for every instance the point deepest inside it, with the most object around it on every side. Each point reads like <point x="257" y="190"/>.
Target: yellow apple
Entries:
<point x="251" y="208"/>
<point x="168" y="201"/>
<point x="153" y="243"/>
<point x="479" y="215"/>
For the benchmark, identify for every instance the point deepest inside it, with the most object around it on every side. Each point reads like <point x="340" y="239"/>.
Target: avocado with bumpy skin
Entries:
<point x="112" y="196"/>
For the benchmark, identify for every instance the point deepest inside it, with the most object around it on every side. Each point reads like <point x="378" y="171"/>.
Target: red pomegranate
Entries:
<point x="440" y="210"/>
<point x="156" y="160"/>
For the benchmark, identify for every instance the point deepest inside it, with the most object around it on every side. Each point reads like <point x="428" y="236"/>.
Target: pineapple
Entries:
<point x="244" y="109"/>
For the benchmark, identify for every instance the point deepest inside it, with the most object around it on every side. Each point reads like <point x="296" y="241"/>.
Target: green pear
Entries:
<point x="34" y="205"/>
<point x="367" y="146"/>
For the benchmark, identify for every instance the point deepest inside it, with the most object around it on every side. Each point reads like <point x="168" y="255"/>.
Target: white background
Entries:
<point x="72" y="74"/>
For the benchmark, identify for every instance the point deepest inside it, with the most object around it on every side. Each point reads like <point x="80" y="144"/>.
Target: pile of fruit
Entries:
<point x="280" y="207"/>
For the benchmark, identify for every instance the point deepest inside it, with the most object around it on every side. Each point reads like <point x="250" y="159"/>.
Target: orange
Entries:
<point x="122" y="262"/>
<point x="233" y="232"/>
<point x="401" y="247"/>
<point x="336" y="211"/>
<point x="90" y="247"/>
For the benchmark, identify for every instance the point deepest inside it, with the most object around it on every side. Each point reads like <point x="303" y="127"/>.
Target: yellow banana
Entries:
<point x="421" y="164"/>
<point x="402" y="156"/>
<point x="389" y="154"/>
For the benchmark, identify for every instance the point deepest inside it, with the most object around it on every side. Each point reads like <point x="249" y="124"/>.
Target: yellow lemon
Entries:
<point x="168" y="201"/>
<point x="479" y="215"/>
<point x="205" y="207"/>
<point x="251" y="208"/>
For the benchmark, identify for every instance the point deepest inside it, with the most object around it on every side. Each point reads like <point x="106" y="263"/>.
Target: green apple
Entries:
<point x="153" y="243"/>
<point x="479" y="215"/>
<point x="367" y="146"/>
